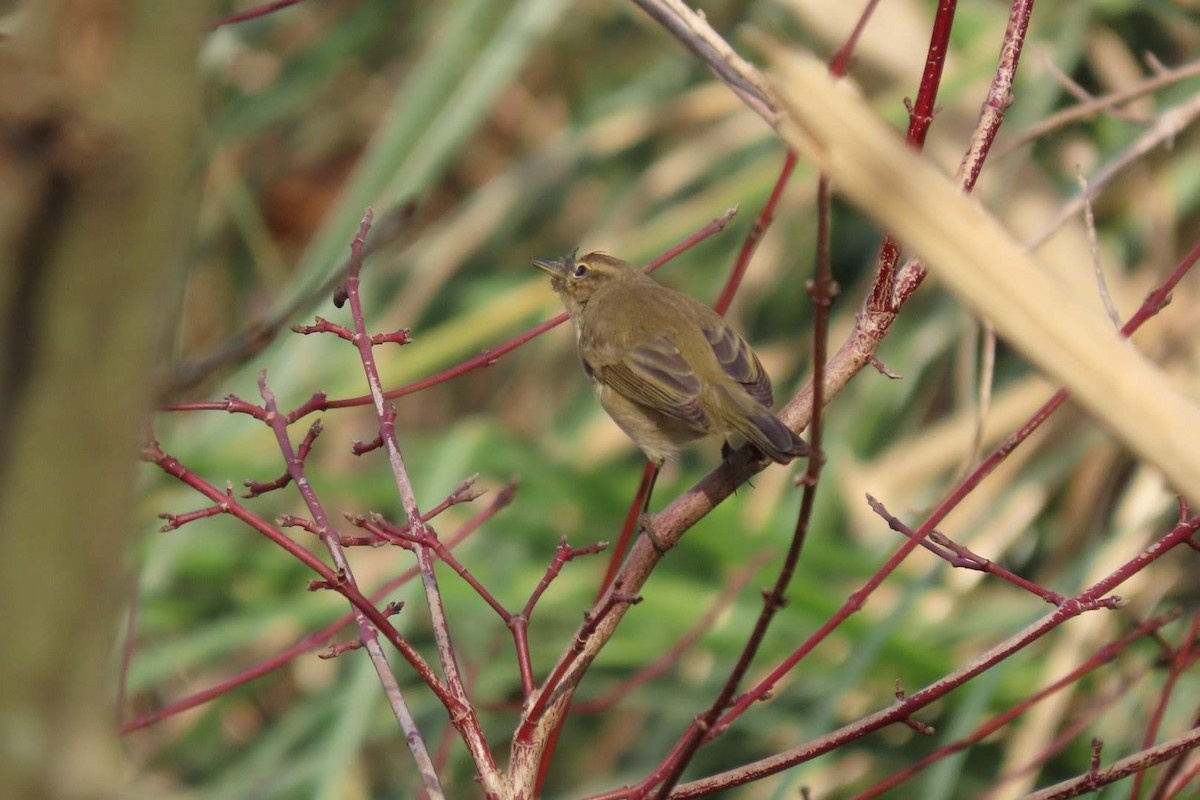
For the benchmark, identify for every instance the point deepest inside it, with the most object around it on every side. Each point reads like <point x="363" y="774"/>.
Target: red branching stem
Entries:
<point x="322" y="325"/>
<point x="991" y="116"/>
<point x="254" y="488"/>
<point x="562" y="554"/>
<point x="640" y="501"/>
<point x="255" y="12"/>
<point x="664" y="662"/>
<point x="172" y="466"/>
<point x="1083" y="720"/>
<point x="920" y="117"/>
<point x="1183" y="658"/>
<point x="1170" y="782"/>
<point x="318" y="638"/>
<point x="628" y="527"/>
<point x="550" y="688"/>
<point x="1138" y="762"/>
<point x="467" y="721"/>
<point x="840" y="63"/>
<point x="1154" y="301"/>
<point x="900" y="711"/>
<point x="750" y="243"/>
<point x="404" y="536"/>
<point x="519" y="623"/>
<point x="231" y="404"/>
<point x="367" y="633"/>
<point x="958" y="556"/>
<point x="1098" y="659"/>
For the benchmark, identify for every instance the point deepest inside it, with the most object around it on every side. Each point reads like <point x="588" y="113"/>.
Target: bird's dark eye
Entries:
<point x="580" y="271"/>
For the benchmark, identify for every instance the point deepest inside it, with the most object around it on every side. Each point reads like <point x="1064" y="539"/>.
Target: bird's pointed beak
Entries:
<point x="555" y="267"/>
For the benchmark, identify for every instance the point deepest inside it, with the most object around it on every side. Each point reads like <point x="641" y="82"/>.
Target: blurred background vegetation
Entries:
<point x="525" y="129"/>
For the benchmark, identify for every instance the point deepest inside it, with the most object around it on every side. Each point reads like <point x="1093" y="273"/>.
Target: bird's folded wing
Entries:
<point x="740" y="362"/>
<point x="656" y="375"/>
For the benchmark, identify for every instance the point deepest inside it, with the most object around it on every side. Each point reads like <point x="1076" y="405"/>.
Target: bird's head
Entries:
<point x="577" y="278"/>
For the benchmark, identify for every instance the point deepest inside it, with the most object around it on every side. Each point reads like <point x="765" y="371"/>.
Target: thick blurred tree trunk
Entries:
<point x="98" y="120"/>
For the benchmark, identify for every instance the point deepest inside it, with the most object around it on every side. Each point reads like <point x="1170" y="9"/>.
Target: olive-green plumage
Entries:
<point x="667" y="368"/>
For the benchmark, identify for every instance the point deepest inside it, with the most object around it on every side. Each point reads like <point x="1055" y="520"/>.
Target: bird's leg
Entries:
<point x="727" y="455"/>
<point x="650" y="486"/>
<point x="644" y="521"/>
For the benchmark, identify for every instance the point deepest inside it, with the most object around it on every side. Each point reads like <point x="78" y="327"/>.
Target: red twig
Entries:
<point x="899" y="711"/>
<point x="254" y="488"/>
<point x="519" y="623"/>
<point x="661" y="664"/>
<point x="255" y="12"/>
<point x="991" y="116"/>
<point x="1131" y="765"/>
<point x="1098" y="659"/>
<point x="466" y="721"/>
<point x="1154" y="301"/>
<point x="317" y="638"/>
<point x="368" y="634"/>
<point x="628" y="528"/>
<point x="1083" y="720"/>
<point x="920" y="117"/>
<point x="172" y="466"/>
<point x="562" y="555"/>
<point x="958" y="556"/>
<point x="591" y="620"/>
<point x="750" y="243"/>
<point x="1183" y="657"/>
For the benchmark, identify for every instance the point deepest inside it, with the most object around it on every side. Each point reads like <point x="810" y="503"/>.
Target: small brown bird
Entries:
<point x="667" y="368"/>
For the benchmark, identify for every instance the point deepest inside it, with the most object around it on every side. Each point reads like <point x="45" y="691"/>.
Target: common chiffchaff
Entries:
<point x="667" y="368"/>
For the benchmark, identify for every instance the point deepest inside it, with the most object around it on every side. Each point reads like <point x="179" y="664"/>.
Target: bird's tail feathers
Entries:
<point x="766" y="432"/>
